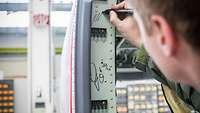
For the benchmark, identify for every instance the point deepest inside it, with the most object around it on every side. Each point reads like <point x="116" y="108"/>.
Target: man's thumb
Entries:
<point x="114" y="18"/>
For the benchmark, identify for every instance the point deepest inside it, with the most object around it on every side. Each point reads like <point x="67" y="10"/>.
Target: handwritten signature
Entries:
<point x="105" y="65"/>
<point x="96" y="17"/>
<point x="98" y="78"/>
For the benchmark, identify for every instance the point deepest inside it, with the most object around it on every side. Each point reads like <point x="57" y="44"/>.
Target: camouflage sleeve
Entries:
<point x="140" y="59"/>
<point x="143" y="62"/>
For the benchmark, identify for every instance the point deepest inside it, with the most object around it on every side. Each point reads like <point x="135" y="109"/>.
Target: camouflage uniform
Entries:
<point x="181" y="98"/>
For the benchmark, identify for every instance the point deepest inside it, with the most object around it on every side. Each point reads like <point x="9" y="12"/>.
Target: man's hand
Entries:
<point x="127" y="27"/>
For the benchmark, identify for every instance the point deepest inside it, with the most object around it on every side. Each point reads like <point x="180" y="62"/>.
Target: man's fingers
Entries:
<point x="120" y="5"/>
<point x="114" y="18"/>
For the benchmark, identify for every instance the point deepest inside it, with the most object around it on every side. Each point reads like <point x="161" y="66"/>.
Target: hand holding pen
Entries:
<point x="126" y="24"/>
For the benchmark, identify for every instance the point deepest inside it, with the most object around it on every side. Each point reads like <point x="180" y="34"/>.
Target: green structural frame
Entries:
<point x="21" y="51"/>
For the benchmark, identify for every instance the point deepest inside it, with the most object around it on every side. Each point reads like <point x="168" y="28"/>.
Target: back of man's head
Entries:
<point x="182" y="15"/>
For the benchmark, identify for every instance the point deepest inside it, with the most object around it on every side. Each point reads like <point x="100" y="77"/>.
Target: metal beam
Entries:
<point x="22" y="31"/>
<point x="61" y="7"/>
<point x="24" y="7"/>
<point x="40" y="59"/>
<point x="133" y="76"/>
<point x="59" y="31"/>
<point x="13" y="31"/>
<point x="13" y="7"/>
<point x="5" y="51"/>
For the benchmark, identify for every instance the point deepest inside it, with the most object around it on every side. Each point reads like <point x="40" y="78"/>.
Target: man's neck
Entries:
<point x="195" y="73"/>
<point x="192" y="68"/>
<point x="189" y="65"/>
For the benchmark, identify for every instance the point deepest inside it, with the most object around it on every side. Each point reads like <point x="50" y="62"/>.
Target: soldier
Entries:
<point x="167" y="33"/>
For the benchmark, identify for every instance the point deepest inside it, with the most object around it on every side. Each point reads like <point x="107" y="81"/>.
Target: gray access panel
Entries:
<point x="102" y="59"/>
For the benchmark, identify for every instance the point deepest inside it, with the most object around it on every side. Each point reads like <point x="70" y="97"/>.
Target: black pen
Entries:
<point x="127" y="12"/>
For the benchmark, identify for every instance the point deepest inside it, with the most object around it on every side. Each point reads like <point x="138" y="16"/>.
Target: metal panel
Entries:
<point x="82" y="58"/>
<point x="102" y="59"/>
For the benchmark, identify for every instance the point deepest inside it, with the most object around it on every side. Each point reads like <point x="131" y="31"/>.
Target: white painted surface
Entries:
<point x="13" y="42"/>
<point x="40" y="52"/>
<point x="13" y="68"/>
<point x="21" y="95"/>
<point x="21" y="19"/>
<point x="1" y="74"/>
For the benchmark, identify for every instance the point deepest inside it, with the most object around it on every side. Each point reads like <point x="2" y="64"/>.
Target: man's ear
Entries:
<point x="166" y="40"/>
